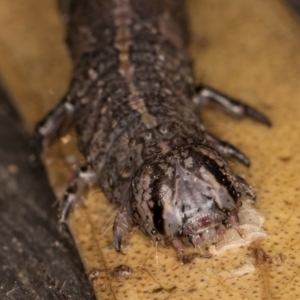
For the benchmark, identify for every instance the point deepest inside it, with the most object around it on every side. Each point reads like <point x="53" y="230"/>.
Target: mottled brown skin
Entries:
<point x="129" y="59"/>
<point x="134" y="105"/>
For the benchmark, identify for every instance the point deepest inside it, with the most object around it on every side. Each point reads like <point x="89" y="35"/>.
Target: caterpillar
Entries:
<point x="135" y="107"/>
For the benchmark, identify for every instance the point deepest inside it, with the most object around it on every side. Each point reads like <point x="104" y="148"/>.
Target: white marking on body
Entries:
<point x="166" y="192"/>
<point x="84" y="100"/>
<point x="92" y="74"/>
<point x="188" y="163"/>
<point x="164" y="146"/>
<point x="103" y="109"/>
<point x="171" y="211"/>
<point x="170" y="172"/>
<point x="209" y="178"/>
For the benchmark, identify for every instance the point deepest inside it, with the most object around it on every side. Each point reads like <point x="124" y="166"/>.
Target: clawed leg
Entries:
<point x="198" y="241"/>
<point x="246" y="188"/>
<point x="227" y="149"/>
<point x="83" y="177"/>
<point x="51" y="126"/>
<point x="177" y="245"/>
<point x="121" y="228"/>
<point x="233" y="106"/>
<point x="234" y="222"/>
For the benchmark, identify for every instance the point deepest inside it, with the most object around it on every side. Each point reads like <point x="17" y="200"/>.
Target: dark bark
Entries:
<point x="294" y="5"/>
<point x="36" y="262"/>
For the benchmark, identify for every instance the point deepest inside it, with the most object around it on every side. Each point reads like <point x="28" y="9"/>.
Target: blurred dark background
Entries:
<point x="36" y="262"/>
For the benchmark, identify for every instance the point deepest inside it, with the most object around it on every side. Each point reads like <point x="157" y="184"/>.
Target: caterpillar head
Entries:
<point x="188" y="192"/>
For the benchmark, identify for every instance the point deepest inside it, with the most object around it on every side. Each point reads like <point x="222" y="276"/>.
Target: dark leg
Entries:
<point x="246" y="188"/>
<point x="84" y="176"/>
<point x="57" y="121"/>
<point x="234" y="222"/>
<point x="121" y="228"/>
<point x="227" y="149"/>
<point x="235" y="107"/>
<point x="197" y="241"/>
<point x="177" y="245"/>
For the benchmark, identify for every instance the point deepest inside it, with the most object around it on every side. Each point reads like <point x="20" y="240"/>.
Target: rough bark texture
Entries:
<point x="36" y="262"/>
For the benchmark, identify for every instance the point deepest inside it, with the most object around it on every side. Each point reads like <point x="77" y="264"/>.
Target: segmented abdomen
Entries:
<point x="132" y="85"/>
